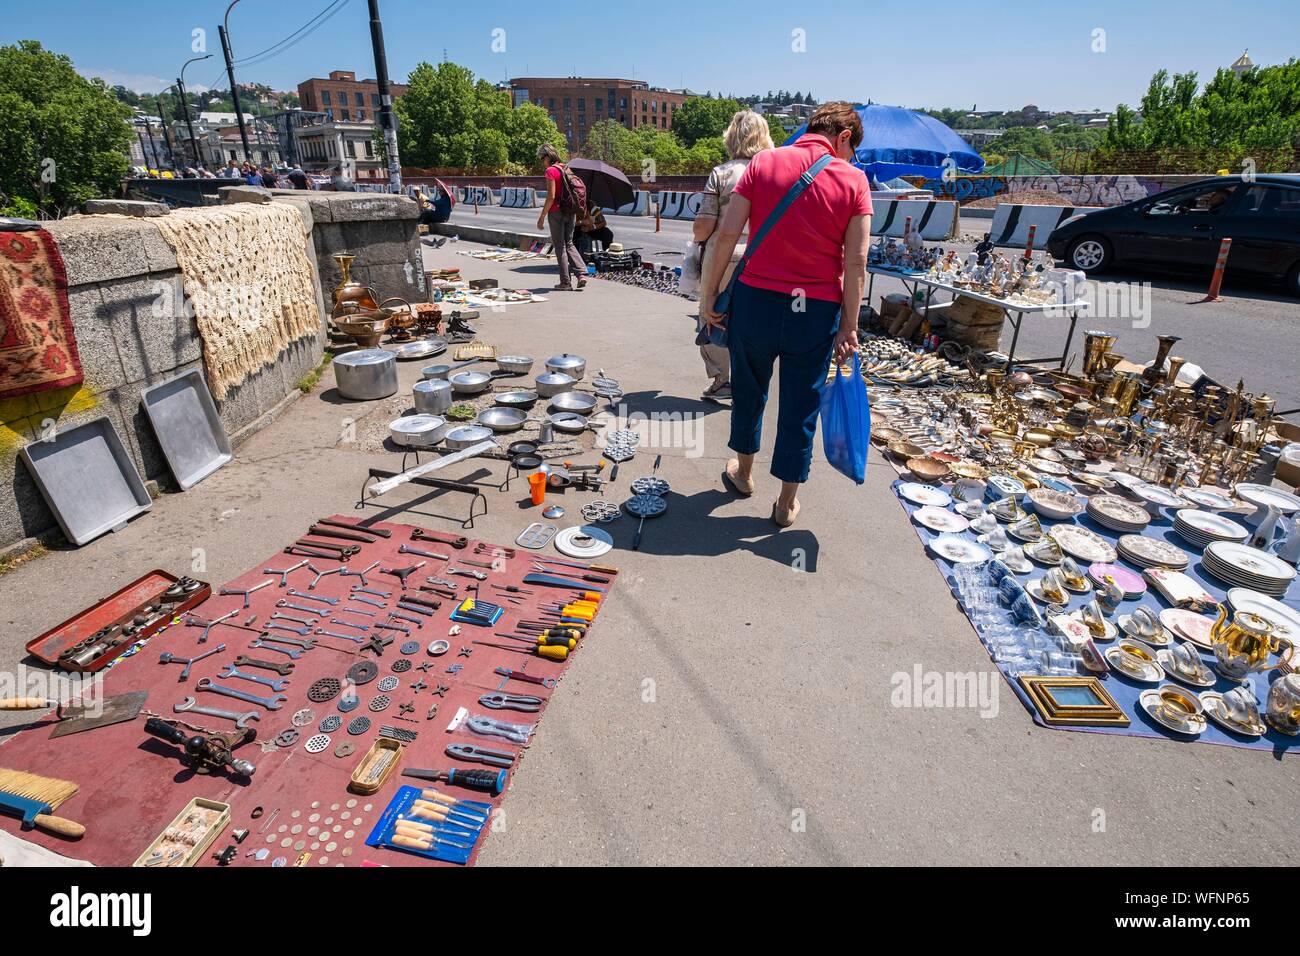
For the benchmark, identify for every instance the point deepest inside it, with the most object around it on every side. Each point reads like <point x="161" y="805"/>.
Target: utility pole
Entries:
<point x="185" y="108"/>
<point x="224" y="32"/>
<point x="153" y="148"/>
<point x="387" y="121"/>
<point x="167" y="136"/>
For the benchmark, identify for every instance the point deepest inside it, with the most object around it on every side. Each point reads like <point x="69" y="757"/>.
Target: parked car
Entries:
<point x="1179" y="231"/>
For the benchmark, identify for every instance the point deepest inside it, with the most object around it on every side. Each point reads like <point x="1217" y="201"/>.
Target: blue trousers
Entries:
<point x="764" y="327"/>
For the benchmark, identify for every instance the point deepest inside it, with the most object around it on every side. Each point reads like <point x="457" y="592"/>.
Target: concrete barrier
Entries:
<point x="640" y="206"/>
<point x="476" y="195"/>
<point x="1011" y="222"/>
<point x="518" y="197"/>
<point x="679" y="205"/>
<point x="934" y="219"/>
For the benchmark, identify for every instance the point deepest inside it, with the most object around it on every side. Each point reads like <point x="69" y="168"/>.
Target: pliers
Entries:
<point x="501" y="701"/>
<point x="484" y="755"/>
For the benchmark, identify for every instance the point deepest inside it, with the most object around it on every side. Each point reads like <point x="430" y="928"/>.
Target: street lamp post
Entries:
<point x="185" y="108"/>
<point x="224" y="32"/>
<point x="387" y="121"/>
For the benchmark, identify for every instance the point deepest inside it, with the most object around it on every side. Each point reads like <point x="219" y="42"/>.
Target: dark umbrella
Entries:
<point x="606" y="186"/>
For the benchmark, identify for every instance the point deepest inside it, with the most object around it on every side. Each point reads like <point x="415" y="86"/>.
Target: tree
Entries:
<point x="447" y="118"/>
<point x="698" y="118"/>
<point x="63" y="138"/>
<point x="777" y="129"/>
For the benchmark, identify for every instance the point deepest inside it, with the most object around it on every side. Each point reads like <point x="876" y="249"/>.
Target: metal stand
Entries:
<point x="439" y="485"/>
<point x="511" y="470"/>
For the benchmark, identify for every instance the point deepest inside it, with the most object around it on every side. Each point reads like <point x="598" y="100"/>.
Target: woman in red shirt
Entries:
<point x="798" y="297"/>
<point x="560" y="223"/>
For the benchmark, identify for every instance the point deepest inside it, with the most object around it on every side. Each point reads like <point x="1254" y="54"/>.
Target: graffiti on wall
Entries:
<point x="1073" y="190"/>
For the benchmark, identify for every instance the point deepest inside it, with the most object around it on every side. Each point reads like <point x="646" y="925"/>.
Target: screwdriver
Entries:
<point x="564" y="639"/>
<point x="551" y="653"/>
<point x="486" y="781"/>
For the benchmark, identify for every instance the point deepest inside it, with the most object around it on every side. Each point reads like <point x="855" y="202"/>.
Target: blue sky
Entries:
<point x="999" y="57"/>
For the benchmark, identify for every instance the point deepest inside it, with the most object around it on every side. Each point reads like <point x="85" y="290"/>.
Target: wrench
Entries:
<point x="230" y="592"/>
<point x="443" y="583"/>
<point x="313" y="597"/>
<point x="277" y="616"/>
<point x="394" y="627"/>
<point x="306" y="644"/>
<point x="366" y="590"/>
<point x="190" y="706"/>
<point x="478" y="575"/>
<point x="320" y="574"/>
<point x="354" y="610"/>
<point x="290" y="652"/>
<point x="288" y="627"/>
<point x="407" y="549"/>
<point x="168" y="657"/>
<point x="270" y="703"/>
<point x="365" y="600"/>
<point x="274" y="683"/>
<point x="402" y="605"/>
<point x="359" y="574"/>
<point x="456" y="541"/>
<point x="346" y="637"/>
<point x="284" y="575"/>
<point x="207" y="626"/>
<point x="284" y="670"/>
<point x="358" y="627"/>
<point x="298" y="607"/>
<point x="393" y="615"/>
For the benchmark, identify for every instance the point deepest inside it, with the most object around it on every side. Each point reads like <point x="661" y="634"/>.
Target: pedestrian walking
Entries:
<point x="745" y="137"/>
<point x="797" y="295"/>
<point x="560" y="215"/>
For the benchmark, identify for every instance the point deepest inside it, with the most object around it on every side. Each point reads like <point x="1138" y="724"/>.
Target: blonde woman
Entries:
<point x="746" y="135"/>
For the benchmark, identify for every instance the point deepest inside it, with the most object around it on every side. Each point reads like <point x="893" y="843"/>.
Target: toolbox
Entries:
<point x="209" y="818"/>
<point x="71" y="646"/>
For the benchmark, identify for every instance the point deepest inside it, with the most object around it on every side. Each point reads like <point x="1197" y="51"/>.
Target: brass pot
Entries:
<point x="350" y="291"/>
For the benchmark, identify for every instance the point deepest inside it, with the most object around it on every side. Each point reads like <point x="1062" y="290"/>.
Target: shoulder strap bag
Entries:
<point x="722" y="304"/>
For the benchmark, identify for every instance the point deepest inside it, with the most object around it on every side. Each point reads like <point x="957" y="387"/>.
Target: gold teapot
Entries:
<point x="1242" y="645"/>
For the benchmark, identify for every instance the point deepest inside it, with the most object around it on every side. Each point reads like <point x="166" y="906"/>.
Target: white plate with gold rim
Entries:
<point x="1082" y="544"/>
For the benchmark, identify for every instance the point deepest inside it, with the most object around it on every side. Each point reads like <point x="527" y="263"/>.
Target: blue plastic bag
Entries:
<point x="846" y="422"/>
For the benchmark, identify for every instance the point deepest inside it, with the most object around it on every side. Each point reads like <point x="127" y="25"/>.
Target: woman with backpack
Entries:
<point x="794" y="296"/>
<point x="565" y="198"/>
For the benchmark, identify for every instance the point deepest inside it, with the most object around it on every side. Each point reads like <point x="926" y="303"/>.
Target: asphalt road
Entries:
<point x="1251" y="332"/>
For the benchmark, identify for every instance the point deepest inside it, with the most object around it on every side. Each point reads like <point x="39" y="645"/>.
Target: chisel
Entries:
<point x="553" y="581"/>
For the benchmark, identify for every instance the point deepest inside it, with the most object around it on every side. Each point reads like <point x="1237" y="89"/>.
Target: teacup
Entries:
<point x="1240" y="706"/>
<point x="1052" y="587"/>
<point x="1093" y="619"/>
<point x="1186" y="660"/>
<point x="1074" y="577"/>
<point x="1179" y="705"/>
<point x="1145" y="624"/>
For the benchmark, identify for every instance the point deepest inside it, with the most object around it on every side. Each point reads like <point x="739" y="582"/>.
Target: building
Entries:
<point x="338" y="147"/>
<point x="344" y="98"/>
<point x="210" y="118"/>
<point x="576" y="103"/>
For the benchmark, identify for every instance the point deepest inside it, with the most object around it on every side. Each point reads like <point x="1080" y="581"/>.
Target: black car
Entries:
<point x="1180" y="230"/>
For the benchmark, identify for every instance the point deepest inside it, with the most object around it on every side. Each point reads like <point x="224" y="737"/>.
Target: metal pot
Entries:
<point x="436" y="371"/>
<point x="503" y="419"/>
<point x="463" y="436"/>
<point x="418" y="431"/>
<point x="553" y="383"/>
<point x="579" y="402"/>
<point x="366" y="374"/>
<point x="432" y="396"/>
<point x="516" y="399"/>
<point x="515" y="364"/>
<point x="574" y="366"/>
<point x="470" y="383"/>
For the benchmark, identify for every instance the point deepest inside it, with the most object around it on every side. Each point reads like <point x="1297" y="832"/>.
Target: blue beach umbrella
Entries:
<point x="899" y="142"/>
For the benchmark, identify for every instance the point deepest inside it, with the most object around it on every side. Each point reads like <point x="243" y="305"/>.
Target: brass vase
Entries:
<point x="350" y="292"/>
<point x="1095" y="345"/>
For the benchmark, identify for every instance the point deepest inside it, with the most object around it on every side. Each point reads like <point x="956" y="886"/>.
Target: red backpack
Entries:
<point x="572" y="194"/>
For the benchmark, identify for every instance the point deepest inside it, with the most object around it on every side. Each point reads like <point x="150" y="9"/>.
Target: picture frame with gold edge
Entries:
<point x="1073" y="702"/>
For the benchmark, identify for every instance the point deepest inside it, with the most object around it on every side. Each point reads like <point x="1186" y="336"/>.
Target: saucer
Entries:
<point x="1212" y="701"/>
<point x="1166" y="658"/>
<point x="1145" y="672"/>
<point x="1112" y="631"/>
<point x="1193" y="726"/>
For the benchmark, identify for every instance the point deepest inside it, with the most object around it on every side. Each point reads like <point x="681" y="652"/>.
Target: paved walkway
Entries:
<point x="729" y="708"/>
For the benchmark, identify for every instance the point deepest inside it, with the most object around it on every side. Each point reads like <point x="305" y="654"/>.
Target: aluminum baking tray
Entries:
<point x="88" y="480"/>
<point x="184" y="419"/>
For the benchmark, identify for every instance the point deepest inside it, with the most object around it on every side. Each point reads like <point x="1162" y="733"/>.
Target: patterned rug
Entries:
<point x="38" y="350"/>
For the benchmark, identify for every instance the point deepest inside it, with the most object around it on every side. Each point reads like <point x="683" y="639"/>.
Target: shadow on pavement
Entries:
<point x="689" y="527"/>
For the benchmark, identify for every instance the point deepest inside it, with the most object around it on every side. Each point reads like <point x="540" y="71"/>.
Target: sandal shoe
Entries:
<point x="784" y="518"/>
<point x="733" y="481"/>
